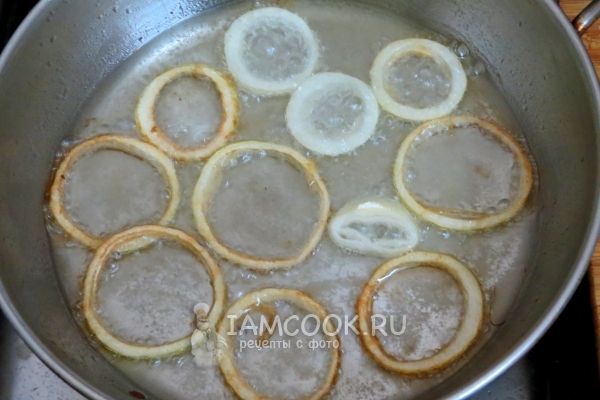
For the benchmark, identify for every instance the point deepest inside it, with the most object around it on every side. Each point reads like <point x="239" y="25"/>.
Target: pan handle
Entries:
<point x="587" y="17"/>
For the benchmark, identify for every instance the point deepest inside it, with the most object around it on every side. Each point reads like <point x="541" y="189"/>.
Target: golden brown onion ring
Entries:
<point x="458" y="219"/>
<point x="121" y="241"/>
<point x="134" y="147"/>
<point x="251" y="300"/>
<point x="149" y="129"/>
<point x="466" y="334"/>
<point x="209" y="182"/>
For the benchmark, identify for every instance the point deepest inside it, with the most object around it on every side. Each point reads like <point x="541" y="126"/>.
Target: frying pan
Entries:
<point x="65" y="48"/>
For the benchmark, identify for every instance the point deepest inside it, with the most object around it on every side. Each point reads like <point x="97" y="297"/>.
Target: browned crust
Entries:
<point x="457" y="219"/>
<point x="149" y="129"/>
<point x="134" y="147"/>
<point x="143" y="235"/>
<point x="251" y="300"/>
<point x="210" y="178"/>
<point x="465" y="336"/>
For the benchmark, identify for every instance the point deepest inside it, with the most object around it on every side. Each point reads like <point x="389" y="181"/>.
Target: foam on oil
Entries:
<point x="350" y="38"/>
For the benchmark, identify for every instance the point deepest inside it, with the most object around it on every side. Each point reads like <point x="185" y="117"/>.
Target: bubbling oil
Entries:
<point x="350" y="37"/>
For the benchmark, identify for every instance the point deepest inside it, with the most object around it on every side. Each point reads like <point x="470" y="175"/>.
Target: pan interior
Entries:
<point x="350" y="36"/>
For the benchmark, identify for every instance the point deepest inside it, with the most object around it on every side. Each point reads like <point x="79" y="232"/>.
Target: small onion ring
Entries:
<point x="457" y="219"/>
<point x="134" y="147"/>
<point x="466" y="334"/>
<point x="299" y="111"/>
<point x="251" y="300"/>
<point x="374" y="210"/>
<point x="122" y="241"/>
<point x="145" y="119"/>
<point x="234" y="47"/>
<point x="426" y="48"/>
<point x="211" y="177"/>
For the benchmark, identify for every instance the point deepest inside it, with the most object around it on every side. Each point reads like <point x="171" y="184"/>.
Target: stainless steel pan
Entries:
<point x="65" y="48"/>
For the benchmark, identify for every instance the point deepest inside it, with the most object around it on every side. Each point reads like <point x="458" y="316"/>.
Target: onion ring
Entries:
<point x="209" y="181"/>
<point x="251" y="300"/>
<point x="145" y="119"/>
<point x="305" y="100"/>
<point x="236" y="44"/>
<point x="427" y="48"/>
<point x="457" y="219"/>
<point x="466" y="334"/>
<point x="121" y="241"/>
<point x="374" y="211"/>
<point x="134" y="147"/>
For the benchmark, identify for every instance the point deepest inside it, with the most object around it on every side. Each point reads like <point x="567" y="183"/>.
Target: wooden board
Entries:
<point x="592" y="42"/>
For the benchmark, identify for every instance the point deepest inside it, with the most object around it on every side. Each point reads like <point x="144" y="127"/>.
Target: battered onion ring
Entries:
<point x="466" y="334"/>
<point x="458" y="219"/>
<point x="209" y="181"/>
<point x="427" y="48"/>
<point x="116" y="244"/>
<point x="149" y="129"/>
<point x="251" y="300"/>
<point x="128" y="145"/>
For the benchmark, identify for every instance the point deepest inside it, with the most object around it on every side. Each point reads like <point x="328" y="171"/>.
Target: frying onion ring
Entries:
<point x="236" y="44"/>
<point x="305" y="100"/>
<point x="209" y="181"/>
<point x="121" y="241"/>
<point x="145" y="119"/>
<point x="251" y="300"/>
<point x="426" y="48"/>
<point x="134" y="147"/>
<point x="374" y="211"/>
<point x="466" y="334"/>
<point x="458" y="219"/>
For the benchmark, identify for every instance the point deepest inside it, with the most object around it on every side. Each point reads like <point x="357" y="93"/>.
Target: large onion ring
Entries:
<point x="427" y="48"/>
<point x="458" y="219"/>
<point x="121" y="241"/>
<point x="373" y="211"/>
<point x="235" y="45"/>
<point x="466" y="334"/>
<point x="302" y="104"/>
<point x="149" y="129"/>
<point x="251" y="300"/>
<point x="134" y="147"/>
<point x="209" y="181"/>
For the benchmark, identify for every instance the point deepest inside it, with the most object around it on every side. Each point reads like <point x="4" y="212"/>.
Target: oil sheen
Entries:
<point x="148" y="297"/>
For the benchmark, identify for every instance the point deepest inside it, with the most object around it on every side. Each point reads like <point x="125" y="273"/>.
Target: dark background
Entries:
<point x="563" y="364"/>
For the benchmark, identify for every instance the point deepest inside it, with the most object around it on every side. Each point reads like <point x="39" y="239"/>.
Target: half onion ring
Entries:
<point x="426" y="48"/>
<point x="467" y="331"/>
<point x="455" y="219"/>
<point x="210" y="179"/>
<point x="148" y="127"/>
<point x="134" y="147"/>
<point x="251" y="300"/>
<point x="122" y="241"/>
<point x="288" y="22"/>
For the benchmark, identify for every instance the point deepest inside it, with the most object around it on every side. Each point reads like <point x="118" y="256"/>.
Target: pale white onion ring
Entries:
<point x="210" y="179"/>
<point x="467" y="331"/>
<point x="427" y="48"/>
<point x="134" y="147"/>
<point x="122" y="241"/>
<point x="299" y="111"/>
<point x="374" y="211"/>
<point x="235" y="46"/>
<point x="251" y="300"/>
<point x="458" y="219"/>
<point x="149" y="129"/>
